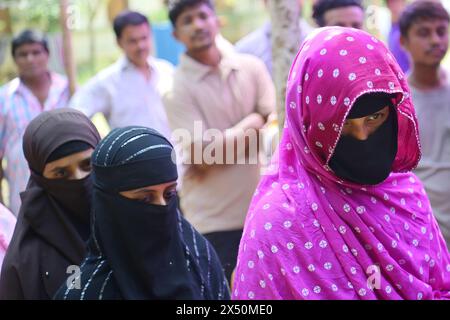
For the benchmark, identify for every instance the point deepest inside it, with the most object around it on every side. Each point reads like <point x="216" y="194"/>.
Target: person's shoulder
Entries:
<point x="254" y="39"/>
<point x="246" y="61"/>
<point x="8" y="88"/>
<point x="163" y="65"/>
<point x="108" y="73"/>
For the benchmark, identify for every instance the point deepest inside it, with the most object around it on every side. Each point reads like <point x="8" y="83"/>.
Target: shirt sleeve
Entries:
<point x="3" y="127"/>
<point x="185" y="120"/>
<point x="266" y="100"/>
<point x="92" y="98"/>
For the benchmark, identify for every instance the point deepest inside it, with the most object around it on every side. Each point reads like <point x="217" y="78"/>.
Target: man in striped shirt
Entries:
<point x="35" y="90"/>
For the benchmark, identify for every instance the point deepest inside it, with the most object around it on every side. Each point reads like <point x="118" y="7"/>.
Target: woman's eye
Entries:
<point x="375" y="116"/>
<point x="170" y="194"/>
<point x="86" y="167"/>
<point x="60" y="173"/>
<point x="147" y="199"/>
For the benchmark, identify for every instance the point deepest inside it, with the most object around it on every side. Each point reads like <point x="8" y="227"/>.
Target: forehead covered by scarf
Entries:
<point x="335" y="67"/>
<point x="52" y="129"/>
<point x="133" y="157"/>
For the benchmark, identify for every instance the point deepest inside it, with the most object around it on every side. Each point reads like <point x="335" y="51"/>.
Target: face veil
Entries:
<point x="143" y="243"/>
<point x="368" y="162"/>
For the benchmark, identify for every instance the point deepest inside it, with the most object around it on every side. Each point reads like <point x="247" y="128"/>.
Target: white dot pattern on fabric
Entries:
<point x="268" y="226"/>
<point x="336" y="73"/>
<point x="320" y="73"/>
<point x="370" y="84"/>
<point x="314" y="206"/>
<point x="319" y="99"/>
<point x="352" y="76"/>
<point x="323" y="244"/>
<point x="370" y="47"/>
<point x="321" y="126"/>
<point x="327" y="265"/>
<point x="296" y="269"/>
<point x="377" y="72"/>
<point x="299" y="89"/>
<point x="347" y="101"/>
<point x="290" y="246"/>
<point x="262" y="284"/>
<point x="307" y="99"/>
<point x="305" y="292"/>
<point x="260" y="254"/>
<point x="311" y="268"/>
<point x="333" y="100"/>
<point x="362" y="60"/>
<point x="287" y="224"/>
<point x="251" y="264"/>
<point x="323" y="51"/>
<point x="360" y="209"/>
<point x="335" y="127"/>
<point x="293" y="105"/>
<point x="343" y="52"/>
<point x="274" y="249"/>
<point x="308" y="245"/>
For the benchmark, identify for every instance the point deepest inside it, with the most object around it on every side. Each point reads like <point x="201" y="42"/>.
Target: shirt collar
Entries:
<point x="57" y="82"/>
<point x="125" y="63"/>
<point x="198" y="70"/>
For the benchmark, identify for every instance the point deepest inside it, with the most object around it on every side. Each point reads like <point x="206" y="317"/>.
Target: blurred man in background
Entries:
<point x="36" y="89"/>
<point x="424" y="33"/>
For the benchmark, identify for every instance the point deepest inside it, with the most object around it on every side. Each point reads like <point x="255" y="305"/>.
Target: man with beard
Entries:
<point x="424" y="33"/>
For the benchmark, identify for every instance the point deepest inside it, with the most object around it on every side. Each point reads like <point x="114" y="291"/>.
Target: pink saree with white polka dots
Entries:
<point x="310" y="235"/>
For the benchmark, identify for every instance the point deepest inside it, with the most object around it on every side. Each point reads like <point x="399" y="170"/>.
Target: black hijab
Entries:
<point x="151" y="251"/>
<point x="368" y="162"/>
<point x="54" y="219"/>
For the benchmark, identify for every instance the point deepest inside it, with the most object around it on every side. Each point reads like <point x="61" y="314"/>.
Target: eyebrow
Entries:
<point x="58" y="168"/>
<point x="150" y="190"/>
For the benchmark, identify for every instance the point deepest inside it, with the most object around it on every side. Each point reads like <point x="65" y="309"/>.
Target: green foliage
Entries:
<point x="42" y="14"/>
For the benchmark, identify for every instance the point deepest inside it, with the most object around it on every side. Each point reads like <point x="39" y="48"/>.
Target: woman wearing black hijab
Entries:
<point x="141" y="247"/>
<point x="54" y="219"/>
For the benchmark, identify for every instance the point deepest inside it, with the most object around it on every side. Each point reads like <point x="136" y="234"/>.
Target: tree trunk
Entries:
<point x="69" y="62"/>
<point x="93" y="8"/>
<point x="285" y="16"/>
<point x="115" y="7"/>
<point x="5" y="18"/>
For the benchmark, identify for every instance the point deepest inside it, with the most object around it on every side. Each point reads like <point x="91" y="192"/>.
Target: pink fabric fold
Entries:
<point x="310" y="235"/>
<point x="7" y="225"/>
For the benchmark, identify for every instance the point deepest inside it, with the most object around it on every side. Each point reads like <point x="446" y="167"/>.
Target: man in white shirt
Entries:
<point x="259" y="42"/>
<point x="129" y="91"/>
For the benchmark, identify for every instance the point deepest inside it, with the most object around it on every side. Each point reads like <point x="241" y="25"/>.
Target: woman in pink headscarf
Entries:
<point x="339" y="215"/>
<point x="7" y="224"/>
